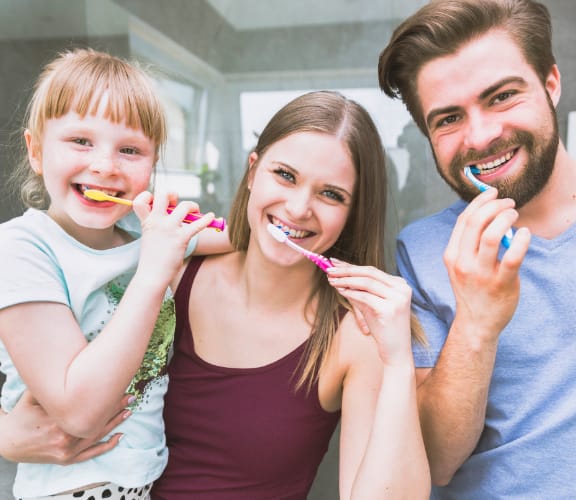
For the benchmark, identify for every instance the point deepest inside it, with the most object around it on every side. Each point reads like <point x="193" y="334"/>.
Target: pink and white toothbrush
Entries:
<point x="321" y="261"/>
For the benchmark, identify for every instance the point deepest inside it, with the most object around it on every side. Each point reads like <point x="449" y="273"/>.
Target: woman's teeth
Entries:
<point x="292" y="233"/>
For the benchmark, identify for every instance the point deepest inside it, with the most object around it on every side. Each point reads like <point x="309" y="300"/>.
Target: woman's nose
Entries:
<point x="299" y="205"/>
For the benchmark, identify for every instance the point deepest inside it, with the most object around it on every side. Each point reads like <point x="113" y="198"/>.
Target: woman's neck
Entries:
<point x="268" y="285"/>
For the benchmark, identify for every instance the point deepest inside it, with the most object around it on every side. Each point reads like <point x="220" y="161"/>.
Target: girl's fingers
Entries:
<point x="141" y="204"/>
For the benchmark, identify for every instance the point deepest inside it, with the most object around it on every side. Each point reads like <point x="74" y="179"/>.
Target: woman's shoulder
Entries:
<point x="351" y="347"/>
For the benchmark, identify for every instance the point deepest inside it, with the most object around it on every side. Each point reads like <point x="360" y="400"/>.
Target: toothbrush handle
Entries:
<point x="507" y="238"/>
<point x="321" y="261"/>
<point x="219" y="223"/>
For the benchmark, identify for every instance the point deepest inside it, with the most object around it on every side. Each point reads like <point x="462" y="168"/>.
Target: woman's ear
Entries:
<point x="34" y="152"/>
<point x="252" y="159"/>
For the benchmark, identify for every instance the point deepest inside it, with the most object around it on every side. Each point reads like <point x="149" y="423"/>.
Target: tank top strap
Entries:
<point x="182" y="295"/>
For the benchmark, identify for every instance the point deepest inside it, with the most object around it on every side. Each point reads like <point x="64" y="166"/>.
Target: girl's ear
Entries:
<point x="34" y="153"/>
<point x="252" y="159"/>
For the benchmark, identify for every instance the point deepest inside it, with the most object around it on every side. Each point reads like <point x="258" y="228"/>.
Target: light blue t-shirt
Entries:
<point x="527" y="450"/>
<point x="39" y="261"/>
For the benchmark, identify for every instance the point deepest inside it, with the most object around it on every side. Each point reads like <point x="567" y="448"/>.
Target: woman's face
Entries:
<point x="303" y="184"/>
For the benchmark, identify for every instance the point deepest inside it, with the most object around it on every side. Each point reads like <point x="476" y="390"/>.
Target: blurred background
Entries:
<point x="223" y="67"/>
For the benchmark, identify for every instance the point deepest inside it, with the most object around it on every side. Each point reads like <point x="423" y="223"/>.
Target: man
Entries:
<point x="497" y="388"/>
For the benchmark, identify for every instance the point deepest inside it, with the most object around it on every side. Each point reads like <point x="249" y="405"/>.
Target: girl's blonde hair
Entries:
<point x="362" y="239"/>
<point x="76" y="81"/>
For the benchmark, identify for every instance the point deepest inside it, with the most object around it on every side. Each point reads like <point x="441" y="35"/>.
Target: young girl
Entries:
<point x="85" y="314"/>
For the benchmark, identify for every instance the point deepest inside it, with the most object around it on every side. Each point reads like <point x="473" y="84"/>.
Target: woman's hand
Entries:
<point x="28" y="434"/>
<point x="381" y="304"/>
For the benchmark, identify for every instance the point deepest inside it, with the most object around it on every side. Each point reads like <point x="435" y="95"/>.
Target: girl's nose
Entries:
<point x="104" y="166"/>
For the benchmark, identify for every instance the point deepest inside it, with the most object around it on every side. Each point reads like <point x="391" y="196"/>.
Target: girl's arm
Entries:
<point x="79" y="383"/>
<point x="382" y="453"/>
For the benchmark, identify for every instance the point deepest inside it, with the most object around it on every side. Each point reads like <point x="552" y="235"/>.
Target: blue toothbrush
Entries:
<point x="469" y="172"/>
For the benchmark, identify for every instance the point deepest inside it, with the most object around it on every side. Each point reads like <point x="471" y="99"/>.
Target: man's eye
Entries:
<point x="503" y="96"/>
<point x="447" y="120"/>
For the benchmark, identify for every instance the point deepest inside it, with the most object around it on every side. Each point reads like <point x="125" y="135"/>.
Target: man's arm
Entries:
<point x="453" y="395"/>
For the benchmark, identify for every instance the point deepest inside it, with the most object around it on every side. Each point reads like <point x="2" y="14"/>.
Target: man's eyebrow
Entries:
<point x="483" y="95"/>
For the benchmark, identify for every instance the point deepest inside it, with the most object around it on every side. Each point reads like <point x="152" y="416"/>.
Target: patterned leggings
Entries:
<point x="107" y="491"/>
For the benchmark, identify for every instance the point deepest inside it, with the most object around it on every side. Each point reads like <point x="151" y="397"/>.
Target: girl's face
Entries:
<point x="304" y="184"/>
<point x="92" y="152"/>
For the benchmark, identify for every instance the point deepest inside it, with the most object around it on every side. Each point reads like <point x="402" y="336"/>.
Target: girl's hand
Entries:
<point x="381" y="304"/>
<point x="29" y="435"/>
<point x="165" y="237"/>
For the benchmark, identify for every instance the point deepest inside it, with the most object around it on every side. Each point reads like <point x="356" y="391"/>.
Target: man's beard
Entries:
<point x="535" y="175"/>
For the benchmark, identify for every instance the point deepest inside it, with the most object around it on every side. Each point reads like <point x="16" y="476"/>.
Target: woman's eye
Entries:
<point x="333" y="195"/>
<point x="284" y="174"/>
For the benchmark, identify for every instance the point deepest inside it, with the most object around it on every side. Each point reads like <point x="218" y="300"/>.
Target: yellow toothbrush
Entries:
<point x="97" y="195"/>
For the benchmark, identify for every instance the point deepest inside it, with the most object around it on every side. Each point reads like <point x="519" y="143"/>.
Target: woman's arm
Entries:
<point x="28" y="434"/>
<point x="382" y="453"/>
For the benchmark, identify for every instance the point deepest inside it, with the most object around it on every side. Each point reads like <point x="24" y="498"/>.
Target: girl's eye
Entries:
<point x="129" y="151"/>
<point x="284" y="174"/>
<point x="81" y="141"/>
<point x="334" y="195"/>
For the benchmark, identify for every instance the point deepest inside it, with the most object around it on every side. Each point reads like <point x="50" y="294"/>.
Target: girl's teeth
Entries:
<point x="106" y="191"/>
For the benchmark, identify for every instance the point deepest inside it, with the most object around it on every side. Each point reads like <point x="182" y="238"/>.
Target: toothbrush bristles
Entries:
<point x="282" y="237"/>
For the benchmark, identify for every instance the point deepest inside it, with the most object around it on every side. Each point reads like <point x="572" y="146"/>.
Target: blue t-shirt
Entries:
<point x="39" y="261"/>
<point x="527" y="450"/>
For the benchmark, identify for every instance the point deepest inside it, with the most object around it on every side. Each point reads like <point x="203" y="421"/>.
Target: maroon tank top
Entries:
<point x="236" y="433"/>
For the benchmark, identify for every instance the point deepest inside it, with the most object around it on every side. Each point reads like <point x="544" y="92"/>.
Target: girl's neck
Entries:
<point x="98" y="239"/>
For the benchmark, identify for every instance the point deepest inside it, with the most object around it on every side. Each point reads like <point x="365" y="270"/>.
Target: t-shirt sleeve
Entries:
<point x="434" y="327"/>
<point x="29" y="272"/>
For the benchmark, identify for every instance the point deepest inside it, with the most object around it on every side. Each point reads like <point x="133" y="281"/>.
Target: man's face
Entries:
<point x="485" y="106"/>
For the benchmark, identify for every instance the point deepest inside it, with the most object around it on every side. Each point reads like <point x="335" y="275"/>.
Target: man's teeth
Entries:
<point x="292" y="233"/>
<point x="495" y="163"/>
